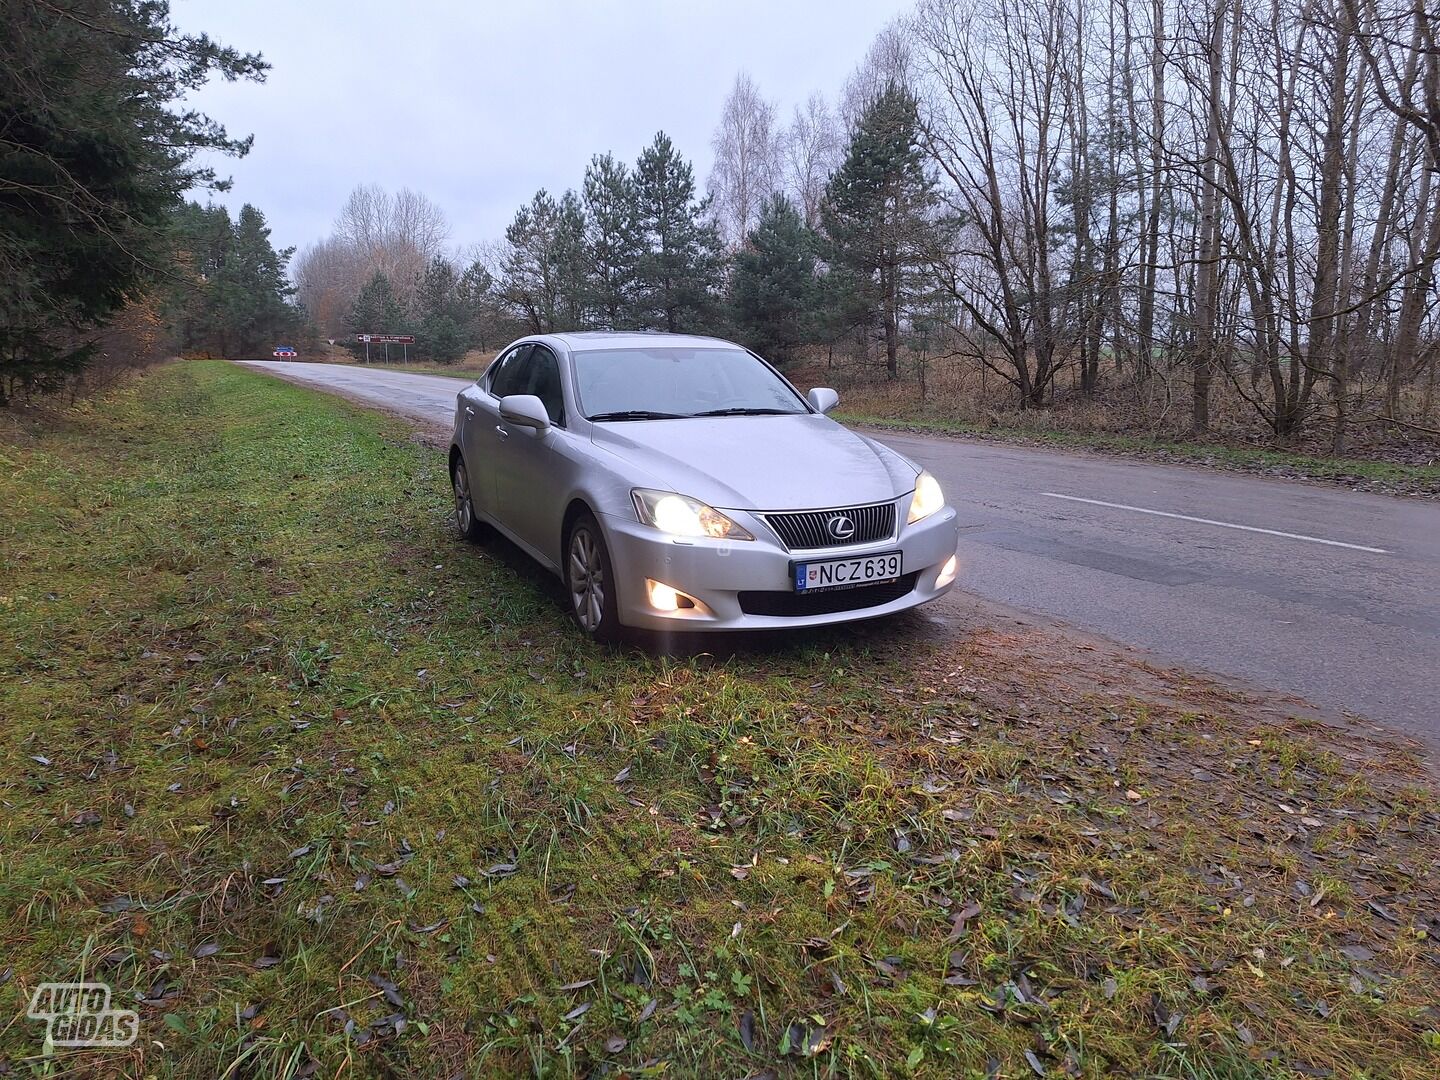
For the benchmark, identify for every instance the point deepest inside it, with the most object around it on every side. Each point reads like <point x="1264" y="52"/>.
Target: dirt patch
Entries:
<point x="1049" y="663"/>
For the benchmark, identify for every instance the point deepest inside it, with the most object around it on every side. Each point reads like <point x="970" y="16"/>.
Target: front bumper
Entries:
<point x="715" y="572"/>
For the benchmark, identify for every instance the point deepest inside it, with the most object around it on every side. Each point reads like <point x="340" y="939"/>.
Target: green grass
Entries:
<point x="311" y="783"/>
<point x="1424" y="478"/>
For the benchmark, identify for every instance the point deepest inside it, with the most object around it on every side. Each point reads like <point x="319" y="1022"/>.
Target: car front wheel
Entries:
<point x="590" y="580"/>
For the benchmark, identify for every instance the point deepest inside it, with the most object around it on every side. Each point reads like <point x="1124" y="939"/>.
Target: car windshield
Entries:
<point x="667" y="382"/>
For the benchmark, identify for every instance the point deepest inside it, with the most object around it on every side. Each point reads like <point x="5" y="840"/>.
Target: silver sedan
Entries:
<point x="682" y="483"/>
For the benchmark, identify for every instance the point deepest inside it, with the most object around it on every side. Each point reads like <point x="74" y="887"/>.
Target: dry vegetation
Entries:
<point x="955" y="395"/>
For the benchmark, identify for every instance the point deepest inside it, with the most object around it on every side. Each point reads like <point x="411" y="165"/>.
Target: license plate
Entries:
<point x="825" y="574"/>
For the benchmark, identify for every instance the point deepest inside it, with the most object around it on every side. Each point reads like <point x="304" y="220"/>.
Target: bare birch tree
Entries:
<point x="747" y="160"/>
<point x="810" y="151"/>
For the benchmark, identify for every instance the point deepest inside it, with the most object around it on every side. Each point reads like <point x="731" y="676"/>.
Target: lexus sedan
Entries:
<point x="681" y="483"/>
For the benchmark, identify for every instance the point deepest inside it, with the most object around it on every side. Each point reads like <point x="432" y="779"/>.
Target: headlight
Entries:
<point x="681" y="516"/>
<point x="927" y="499"/>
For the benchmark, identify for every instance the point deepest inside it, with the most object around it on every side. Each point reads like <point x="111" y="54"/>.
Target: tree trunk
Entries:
<point x="1424" y="248"/>
<point x="1202" y="358"/>
<point x="1319" y="352"/>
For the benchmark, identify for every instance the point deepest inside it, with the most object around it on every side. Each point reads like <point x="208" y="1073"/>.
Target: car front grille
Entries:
<point x="828" y="602"/>
<point x="812" y="528"/>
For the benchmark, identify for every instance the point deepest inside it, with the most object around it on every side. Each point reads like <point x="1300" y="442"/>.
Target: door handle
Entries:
<point x="501" y="432"/>
<point x="469" y="411"/>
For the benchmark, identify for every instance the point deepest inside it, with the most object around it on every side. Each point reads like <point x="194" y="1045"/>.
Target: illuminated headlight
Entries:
<point x="681" y="516"/>
<point x="927" y="499"/>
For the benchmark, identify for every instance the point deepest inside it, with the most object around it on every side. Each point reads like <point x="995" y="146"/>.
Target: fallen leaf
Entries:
<point x="388" y="989"/>
<point x="960" y="918"/>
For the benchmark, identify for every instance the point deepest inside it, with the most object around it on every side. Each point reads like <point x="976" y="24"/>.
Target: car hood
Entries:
<point x="801" y="462"/>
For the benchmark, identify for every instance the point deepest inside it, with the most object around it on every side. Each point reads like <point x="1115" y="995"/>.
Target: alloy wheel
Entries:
<point x="587" y="579"/>
<point x="464" y="510"/>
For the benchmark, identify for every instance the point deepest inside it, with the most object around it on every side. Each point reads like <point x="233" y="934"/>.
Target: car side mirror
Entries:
<point x="822" y="399"/>
<point x="524" y="410"/>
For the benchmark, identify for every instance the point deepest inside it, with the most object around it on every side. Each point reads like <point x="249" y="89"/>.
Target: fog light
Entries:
<point x="662" y="597"/>
<point x="948" y="572"/>
<point x="665" y="598"/>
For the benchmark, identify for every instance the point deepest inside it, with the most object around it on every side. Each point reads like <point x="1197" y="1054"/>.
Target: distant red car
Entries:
<point x="284" y="352"/>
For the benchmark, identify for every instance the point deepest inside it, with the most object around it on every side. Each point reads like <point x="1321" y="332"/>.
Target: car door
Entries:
<point x="532" y="465"/>
<point x="481" y="440"/>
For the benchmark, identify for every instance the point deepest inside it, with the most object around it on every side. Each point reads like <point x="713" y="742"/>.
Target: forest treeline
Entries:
<point x="1167" y="203"/>
<point x="103" y="264"/>
<point x="1181" y="198"/>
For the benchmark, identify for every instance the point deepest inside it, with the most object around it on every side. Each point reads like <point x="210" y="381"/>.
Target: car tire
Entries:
<point x="590" y="580"/>
<point x="466" y="523"/>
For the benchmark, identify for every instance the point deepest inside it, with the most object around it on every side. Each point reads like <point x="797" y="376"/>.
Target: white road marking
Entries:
<point x="1222" y="524"/>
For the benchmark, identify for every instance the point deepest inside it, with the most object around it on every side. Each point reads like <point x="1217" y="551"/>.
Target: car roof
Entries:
<point x="589" y="340"/>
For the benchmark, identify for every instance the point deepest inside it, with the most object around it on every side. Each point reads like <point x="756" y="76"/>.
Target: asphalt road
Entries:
<point x="1325" y="593"/>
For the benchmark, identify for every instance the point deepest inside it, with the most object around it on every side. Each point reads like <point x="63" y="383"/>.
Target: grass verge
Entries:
<point x="1387" y="475"/>
<point x="449" y="371"/>
<point x="317" y="788"/>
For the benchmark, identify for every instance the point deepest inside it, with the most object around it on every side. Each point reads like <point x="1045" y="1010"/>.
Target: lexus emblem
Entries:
<point x="841" y="526"/>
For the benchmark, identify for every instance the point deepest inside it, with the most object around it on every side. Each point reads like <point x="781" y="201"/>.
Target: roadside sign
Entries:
<point x="403" y="340"/>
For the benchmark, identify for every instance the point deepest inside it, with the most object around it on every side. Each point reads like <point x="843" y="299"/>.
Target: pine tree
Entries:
<point x="774" y="292"/>
<point x="571" y="263"/>
<point x="475" y="304"/>
<point x="98" y="149"/>
<point x="253" y="291"/>
<point x="204" y="236"/>
<point x="681" y="256"/>
<point x="878" y="216"/>
<point x="235" y="299"/>
<point x="545" y="277"/>
<point x="441" y="334"/>
<point x="612" y="242"/>
<point x="377" y="310"/>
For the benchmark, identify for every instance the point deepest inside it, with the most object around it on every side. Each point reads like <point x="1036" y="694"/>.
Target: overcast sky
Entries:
<point x="479" y="104"/>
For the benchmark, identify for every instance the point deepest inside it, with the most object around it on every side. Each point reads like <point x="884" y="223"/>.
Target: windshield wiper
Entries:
<point x="748" y="412"/>
<point x="636" y="414"/>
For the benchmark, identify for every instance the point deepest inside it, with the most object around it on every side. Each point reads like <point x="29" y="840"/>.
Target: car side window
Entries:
<point x="545" y="383"/>
<point x="510" y="374"/>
